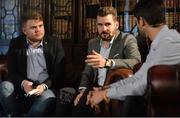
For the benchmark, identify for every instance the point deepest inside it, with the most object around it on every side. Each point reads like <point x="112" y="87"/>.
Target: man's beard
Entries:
<point x="106" y="36"/>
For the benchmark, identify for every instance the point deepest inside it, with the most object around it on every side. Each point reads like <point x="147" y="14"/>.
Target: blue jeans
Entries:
<point x="43" y="105"/>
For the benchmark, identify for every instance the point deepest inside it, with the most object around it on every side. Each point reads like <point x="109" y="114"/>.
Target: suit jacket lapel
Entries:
<point x="114" y="45"/>
<point x="96" y="47"/>
<point x="23" y="58"/>
<point x="46" y="49"/>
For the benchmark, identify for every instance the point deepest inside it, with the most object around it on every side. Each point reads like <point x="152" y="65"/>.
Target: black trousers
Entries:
<point x="82" y="109"/>
<point x="134" y="106"/>
<point x="65" y="101"/>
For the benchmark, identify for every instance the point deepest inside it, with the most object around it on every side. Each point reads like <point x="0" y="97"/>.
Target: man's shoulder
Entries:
<point x="126" y="35"/>
<point x="18" y="39"/>
<point x="123" y="36"/>
<point x="49" y="37"/>
<point x="93" y="40"/>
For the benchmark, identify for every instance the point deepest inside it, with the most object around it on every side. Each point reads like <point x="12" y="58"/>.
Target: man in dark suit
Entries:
<point x="111" y="49"/>
<point x="35" y="70"/>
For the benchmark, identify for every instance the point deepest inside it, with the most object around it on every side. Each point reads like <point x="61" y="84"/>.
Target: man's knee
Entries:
<point x="48" y="94"/>
<point x="65" y="101"/>
<point x="43" y="108"/>
<point x="6" y="89"/>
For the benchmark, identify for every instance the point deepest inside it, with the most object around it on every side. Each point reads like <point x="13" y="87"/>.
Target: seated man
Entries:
<point x="111" y="49"/>
<point x="35" y="65"/>
<point x="164" y="49"/>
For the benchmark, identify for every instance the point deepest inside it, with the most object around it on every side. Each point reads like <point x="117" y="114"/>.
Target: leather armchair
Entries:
<point x="164" y="90"/>
<point x="112" y="108"/>
<point x="3" y="68"/>
<point x="117" y="74"/>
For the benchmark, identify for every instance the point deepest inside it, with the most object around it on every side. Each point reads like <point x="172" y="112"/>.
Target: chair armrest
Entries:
<point x="3" y="72"/>
<point x="112" y="108"/>
<point x="137" y="67"/>
<point x="164" y="90"/>
<point x="117" y="74"/>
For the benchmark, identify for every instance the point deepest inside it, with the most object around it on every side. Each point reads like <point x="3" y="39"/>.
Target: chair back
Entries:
<point x="113" y="108"/>
<point x="164" y="90"/>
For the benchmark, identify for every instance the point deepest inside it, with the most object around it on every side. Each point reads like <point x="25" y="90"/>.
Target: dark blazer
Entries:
<point x="124" y="52"/>
<point x="54" y="57"/>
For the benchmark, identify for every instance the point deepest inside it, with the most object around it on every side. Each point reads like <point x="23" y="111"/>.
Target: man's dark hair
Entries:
<point x="153" y="11"/>
<point x="104" y="11"/>
<point x="31" y="15"/>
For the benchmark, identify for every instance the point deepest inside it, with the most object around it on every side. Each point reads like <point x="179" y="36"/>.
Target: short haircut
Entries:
<point x="104" y="11"/>
<point x="153" y="11"/>
<point x="31" y="15"/>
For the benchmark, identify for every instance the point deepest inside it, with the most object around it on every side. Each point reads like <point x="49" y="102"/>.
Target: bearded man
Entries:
<point x="111" y="49"/>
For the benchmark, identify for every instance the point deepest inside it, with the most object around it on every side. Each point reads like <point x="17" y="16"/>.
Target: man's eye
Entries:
<point x="107" y="24"/>
<point x="99" y="24"/>
<point x="33" y="27"/>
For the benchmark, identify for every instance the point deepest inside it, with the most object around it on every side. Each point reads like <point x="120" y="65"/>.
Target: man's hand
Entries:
<point x="78" y="97"/>
<point x="41" y="89"/>
<point x="95" y="60"/>
<point x="95" y="97"/>
<point x="27" y="85"/>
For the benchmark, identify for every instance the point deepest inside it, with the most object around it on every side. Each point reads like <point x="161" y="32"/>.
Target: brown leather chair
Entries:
<point x="164" y="90"/>
<point x="3" y="75"/>
<point x="112" y="108"/>
<point x="3" y="68"/>
<point x="117" y="74"/>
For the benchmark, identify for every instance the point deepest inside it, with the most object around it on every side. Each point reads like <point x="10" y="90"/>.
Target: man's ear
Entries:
<point x="142" y="22"/>
<point x="23" y="30"/>
<point x="117" y="25"/>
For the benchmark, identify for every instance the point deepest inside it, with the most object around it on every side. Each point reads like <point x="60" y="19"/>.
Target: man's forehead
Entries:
<point x="34" y="22"/>
<point x="107" y="16"/>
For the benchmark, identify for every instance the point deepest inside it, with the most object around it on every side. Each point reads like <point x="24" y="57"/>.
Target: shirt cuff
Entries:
<point x="113" y="63"/>
<point x="45" y="86"/>
<point x="81" y="88"/>
<point x="112" y="94"/>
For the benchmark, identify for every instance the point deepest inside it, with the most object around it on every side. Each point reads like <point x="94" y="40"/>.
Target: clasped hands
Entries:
<point x="93" y="98"/>
<point x="27" y="86"/>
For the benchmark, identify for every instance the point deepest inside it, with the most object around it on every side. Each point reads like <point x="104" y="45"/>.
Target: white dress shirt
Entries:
<point x="104" y="52"/>
<point x="36" y="64"/>
<point x="165" y="49"/>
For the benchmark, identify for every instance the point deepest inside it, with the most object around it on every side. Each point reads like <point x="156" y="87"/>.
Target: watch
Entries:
<point x="107" y="63"/>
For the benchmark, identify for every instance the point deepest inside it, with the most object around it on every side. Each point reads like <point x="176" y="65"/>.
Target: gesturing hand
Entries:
<point x="95" y="60"/>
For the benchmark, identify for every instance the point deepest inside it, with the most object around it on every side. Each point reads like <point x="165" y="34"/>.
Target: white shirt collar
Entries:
<point x="157" y="37"/>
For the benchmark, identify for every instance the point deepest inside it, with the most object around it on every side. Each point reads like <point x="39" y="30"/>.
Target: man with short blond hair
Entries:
<point x="35" y="70"/>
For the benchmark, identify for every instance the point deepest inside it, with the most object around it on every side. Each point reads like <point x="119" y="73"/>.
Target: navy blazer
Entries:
<point x="54" y="57"/>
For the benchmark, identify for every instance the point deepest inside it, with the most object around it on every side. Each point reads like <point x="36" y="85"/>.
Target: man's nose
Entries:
<point x="38" y="29"/>
<point x="104" y="28"/>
